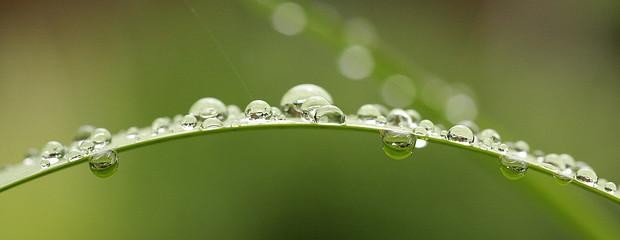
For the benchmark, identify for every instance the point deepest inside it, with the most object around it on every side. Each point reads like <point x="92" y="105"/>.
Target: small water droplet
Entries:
<point x="310" y="105"/>
<point x="209" y="107"/>
<point x="74" y="154"/>
<point x="53" y="151"/>
<point x="427" y="124"/>
<point x="371" y="113"/>
<point x="554" y="160"/>
<point x="587" y="175"/>
<point x="521" y="148"/>
<point x="565" y="176"/>
<point x="258" y="110"/>
<point x="234" y="112"/>
<point x="461" y="134"/>
<point x="276" y="114"/>
<point x="329" y="114"/>
<point x="420" y="131"/>
<point x="610" y="187"/>
<point x="568" y="160"/>
<point x="132" y="133"/>
<point x="400" y="118"/>
<point x="489" y="138"/>
<point x="104" y="164"/>
<point x="86" y="146"/>
<point x="101" y="137"/>
<point x="297" y="95"/>
<point x="398" y="145"/>
<point x="188" y="122"/>
<point x="211" y="123"/>
<point x="161" y="125"/>
<point x="83" y="132"/>
<point x="513" y="168"/>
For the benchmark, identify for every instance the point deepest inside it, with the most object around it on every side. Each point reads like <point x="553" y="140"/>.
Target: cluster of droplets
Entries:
<point x="402" y="131"/>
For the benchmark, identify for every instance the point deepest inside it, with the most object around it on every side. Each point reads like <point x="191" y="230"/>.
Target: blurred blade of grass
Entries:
<point x="594" y="220"/>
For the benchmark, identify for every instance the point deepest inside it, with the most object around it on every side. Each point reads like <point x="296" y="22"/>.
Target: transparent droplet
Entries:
<point x="132" y="133"/>
<point x="101" y="137"/>
<point x="521" y="148"/>
<point x="74" y="154"/>
<point x="234" y="112"/>
<point x="502" y="148"/>
<point x="398" y="91"/>
<point x="420" y="131"/>
<point x="471" y="125"/>
<point x="104" y="164"/>
<point x="295" y="97"/>
<point x="421" y="143"/>
<point x="258" y="110"/>
<point x="83" y="132"/>
<point x="400" y="118"/>
<point x="289" y="18"/>
<point x="461" y="134"/>
<point x="211" y="123"/>
<point x="177" y="119"/>
<point x="554" y="160"/>
<point x="610" y="187"/>
<point x="414" y="115"/>
<point x="161" y="125"/>
<point x="86" y="146"/>
<point x="329" y="114"/>
<point x="567" y="160"/>
<point x="513" y="168"/>
<point x="587" y="175"/>
<point x="565" y="176"/>
<point x="53" y="149"/>
<point x="490" y="138"/>
<point x="209" y="107"/>
<point x="188" y="122"/>
<point x="398" y="145"/>
<point x="368" y="112"/>
<point x="356" y="62"/>
<point x="310" y="105"/>
<point x="427" y="124"/>
<point x="276" y="114"/>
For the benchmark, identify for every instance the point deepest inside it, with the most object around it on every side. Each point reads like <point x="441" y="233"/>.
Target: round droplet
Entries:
<point x="104" y="164"/>
<point x="471" y="125"/>
<point x="258" y="110"/>
<point x="587" y="175"/>
<point x="521" y="148"/>
<point x="101" y="137"/>
<point x="161" y="125"/>
<point x="296" y="96"/>
<point x="329" y="114"/>
<point x="567" y="160"/>
<point x="188" y="122"/>
<point x="427" y="124"/>
<point x="53" y="150"/>
<point x="414" y="115"/>
<point x="311" y="104"/>
<point x="461" y="134"/>
<point x="86" y="146"/>
<point x="400" y="118"/>
<point x="288" y="18"/>
<point x="234" y="112"/>
<point x="368" y="112"/>
<point x="610" y="187"/>
<point x="398" y="145"/>
<point x="513" y="168"/>
<point x="276" y="114"/>
<point x="211" y="123"/>
<point x="208" y="108"/>
<point x="554" y="160"/>
<point x="132" y="133"/>
<point x="83" y="132"/>
<point x="565" y="176"/>
<point x="490" y="138"/>
<point x="74" y="154"/>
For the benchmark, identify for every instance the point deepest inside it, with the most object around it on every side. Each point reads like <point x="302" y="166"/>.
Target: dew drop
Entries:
<point x="329" y="114"/>
<point x="101" y="137"/>
<point x="52" y="153"/>
<point x="83" y="132"/>
<point x="104" y="164"/>
<point x="310" y="105"/>
<point x="427" y="124"/>
<point x="258" y="110"/>
<point x="132" y="133"/>
<point x="587" y="175"/>
<point x="369" y="112"/>
<point x="234" y="112"/>
<point x="211" y="123"/>
<point x="208" y="108"/>
<point x="86" y="146"/>
<point x="398" y="145"/>
<point x="461" y="134"/>
<point x="400" y="118"/>
<point x="161" y="125"/>
<point x="610" y="187"/>
<point x="471" y="125"/>
<point x="521" y="148"/>
<point x="414" y="115"/>
<point x="554" y="160"/>
<point x="188" y="122"/>
<point x="565" y="176"/>
<point x="567" y="160"/>
<point x="513" y="168"/>
<point x="489" y="138"/>
<point x="296" y="96"/>
<point x="420" y="131"/>
<point x="74" y="154"/>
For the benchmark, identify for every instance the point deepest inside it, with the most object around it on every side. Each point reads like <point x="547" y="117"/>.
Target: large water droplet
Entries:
<point x="513" y="168"/>
<point x="310" y="105"/>
<point x="398" y="145"/>
<point x="296" y="96"/>
<point x="101" y="137"/>
<point x="258" y="110"/>
<point x="104" y="164"/>
<point x="587" y="175"/>
<point x="400" y="118"/>
<point x="188" y="122"/>
<point x="208" y="108"/>
<point x="461" y="134"/>
<point x="329" y="114"/>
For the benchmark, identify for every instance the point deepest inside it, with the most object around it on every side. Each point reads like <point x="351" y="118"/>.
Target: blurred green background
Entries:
<point x="544" y="71"/>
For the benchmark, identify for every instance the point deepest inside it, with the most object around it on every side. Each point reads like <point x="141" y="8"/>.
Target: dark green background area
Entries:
<point x="544" y="71"/>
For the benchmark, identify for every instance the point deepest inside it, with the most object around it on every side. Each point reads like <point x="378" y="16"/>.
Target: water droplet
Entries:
<point x="52" y="153"/>
<point x="83" y="132"/>
<point x="276" y="114"/>
<point x="400" y="118"/>
<point x="101" y="137"/>
<point x="86" y="146"/>
<point x="104" y="164"/>
<point x="208" y="108"/>
<point x="234" y="112"/>
<point x="490" y="138"/>
<point x="513" y="168"/>
<point x="565" y="176"/>
<point x="398" y="145"/>
<point x="471" y="125"/>
<point x="554" y="160"/>
<point x="177" y="119"/>
<point x="427" y="124"/>
<point x="310" y="105"/>
<point x="369" y="112"/>
<point x="356" y="62"/>
<point x="188" y="122"/>
<point x="461" y="134"/>
<point x="289" y="18"/>
<point x="161" y="125"/>
<point x="421" y="143"/>
<point x="329" y="114"/>
<point x="521" y="148"/>
<point x="398" y="91"/>
<point x="610" y="187"/>
<point x="587" y="175"/>
<point x="420" y="131"/>
<point x="414" y="115"/>
<point x="132" y="133"/>
<point x="211" y="123"/>
<point x="74" y="154"/>
<point x="297" y="95"/>
<point x="502" y="148"/>
<point x="568" y="160"/>
<point x="258" y="110"/>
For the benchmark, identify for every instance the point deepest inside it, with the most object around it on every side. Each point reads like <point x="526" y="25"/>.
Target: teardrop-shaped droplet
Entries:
<point x="400" y="118"/>
<point x="329" y="114"/>
<point x="211" y="123"/>
<point x="461" y="134"/>
<point x="83" y="132"/>
<point x="258" y="110"/>
<point x="161" y="125"/>
<point x="104" y="164"/>
<point x="587" y="175"/>
<point x="310" y="105"/>
<point x="101" y="137"/>
<point x="513" y="168"/>
<point x="188" y="122"/>
<point x="296" y="96"/>
<point x="398" y="145"/>
<point x="208" y="108"/>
